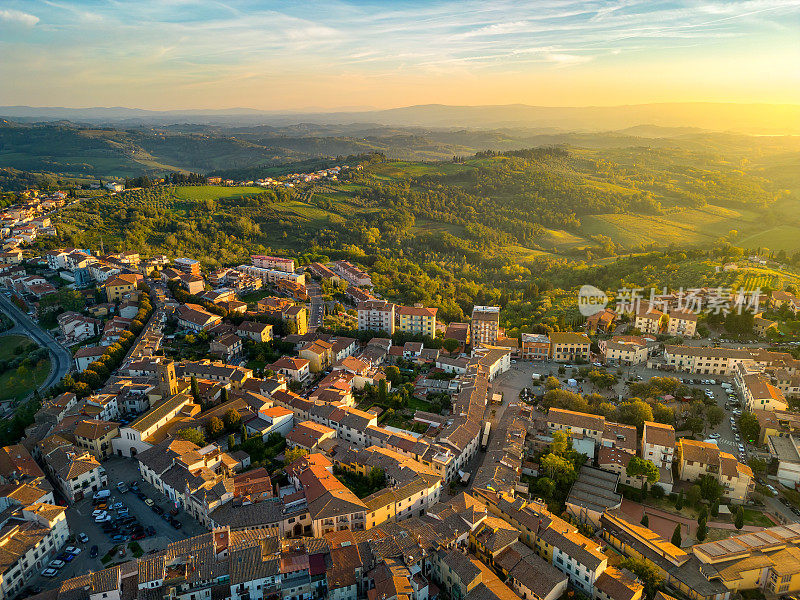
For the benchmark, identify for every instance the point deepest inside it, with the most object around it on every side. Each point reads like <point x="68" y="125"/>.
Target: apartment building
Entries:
<point x="376" y="315"/>
<point x="120" y="285"/>
<point x="416" y="319"/>
<point x="189" y="266"/>
<point x="696" y="459"/>
<point x="624" y="350"/>
<point x="576" y="424"/>
<point x="75" y="471"/>
<point x="29" y="539"/>
<point x="485" y="325"/>
<point x="682" y="323"/>
<point x="273" y="262"/>
<point x="648" y="319"/>
<point x="757" y="392"/>
<point x="133" y="437"/>
<point x="196" y="318"/>
<point x="535" y="346"/>
<point x="658" y="444"/>
<point x="95" y="436"/>
<point x="566" y="346"/>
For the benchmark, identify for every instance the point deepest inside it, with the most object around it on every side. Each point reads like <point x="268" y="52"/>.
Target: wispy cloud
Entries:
<point x="209" y="44"/>
<point x="17" y="17"/>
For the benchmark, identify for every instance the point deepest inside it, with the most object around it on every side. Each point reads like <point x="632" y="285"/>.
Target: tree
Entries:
<point x="393" y="375"/>
<point x="693" y="495"/>
<point x="560" y="443"/>
<point x="645" y="520"/>
<point x="644" y="468"/>
<point x="702" y="530"/>
<point x="657" y="492"/>
<point x="635" y="412"/>
<point x="714" y="415"/>
<point x="232" y="419"/>
<point x="749" y="426"/>
<point x="679" y="501"/>
<point x="195" y="390"/>
<point x="231" y="441"/>
<point x="676" y="536"/>
<point x="566" y="400"/>
<point x="192" y="435"/>
<point x="710" y="488"/>
<point x="214" y="427"/>
<point x="450" y="344"/>
<point x="695" y="424"/>
<point x="647" y="573"/>
<point x="551" y="383"/>
<point x="546" y="487"/>
<point x="715" y="509"/>
<point x="739" y="520"/>
<point x="557" y="468"/>
<point x="292" y="454"/>
<point x="225" y="395"/>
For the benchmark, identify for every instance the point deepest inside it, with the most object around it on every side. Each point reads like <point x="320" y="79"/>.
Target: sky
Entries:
<point x="353" y="54"/>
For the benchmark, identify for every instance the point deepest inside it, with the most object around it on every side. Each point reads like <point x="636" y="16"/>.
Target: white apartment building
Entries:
<point x="376" y="315"/>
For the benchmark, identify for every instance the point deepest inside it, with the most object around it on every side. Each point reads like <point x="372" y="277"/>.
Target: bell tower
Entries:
<point x="167" y="381"/>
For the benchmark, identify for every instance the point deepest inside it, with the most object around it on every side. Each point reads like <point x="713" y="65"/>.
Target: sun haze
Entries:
<point x="352" y="54"/>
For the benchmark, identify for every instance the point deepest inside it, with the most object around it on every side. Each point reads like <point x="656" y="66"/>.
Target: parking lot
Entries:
<point x="79" y="517"/>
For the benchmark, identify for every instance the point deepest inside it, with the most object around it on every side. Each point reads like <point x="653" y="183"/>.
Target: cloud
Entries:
<point x="18" y="17"/>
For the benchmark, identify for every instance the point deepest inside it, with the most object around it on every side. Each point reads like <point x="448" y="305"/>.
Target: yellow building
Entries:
<point x="319" y="355"/>
<point x="417" y="319"/>
<point x="95" y="436"/>
<point x="769" y="561"/>
<point x="299" y="316"/>
<point x="120" y="285"/>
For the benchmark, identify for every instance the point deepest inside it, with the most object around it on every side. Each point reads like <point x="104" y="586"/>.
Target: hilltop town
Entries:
<point x="278" y="430"/>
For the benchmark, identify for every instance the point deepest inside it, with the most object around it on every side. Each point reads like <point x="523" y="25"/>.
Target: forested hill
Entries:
<point x="490" y="228"/>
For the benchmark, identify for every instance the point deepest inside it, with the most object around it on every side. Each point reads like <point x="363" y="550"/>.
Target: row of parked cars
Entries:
<point x="168" y="516"/>
<point x="60" y="561"/>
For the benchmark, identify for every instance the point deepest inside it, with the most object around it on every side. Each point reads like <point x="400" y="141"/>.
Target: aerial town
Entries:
<point x="215" y="435"/>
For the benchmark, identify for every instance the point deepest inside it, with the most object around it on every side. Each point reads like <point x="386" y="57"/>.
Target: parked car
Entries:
<point x="138" y="535"/>
<point x="102" y="518"/>
<point x="97" y="512"/>
<point x="83" y="538"/>
<point x="74" y="550"/>
<point x="56" y="564"/>
<point x="148" y="501"/>
<point x="150" y="530"/>
<point x="157" y="509"/>
<point x="175" y="523"/>
<point x="66" y="557"/>
<point x="49" y="572"/>
<point x="714" y="436"/>
<point x="119" y="538"/>
<point x="122" y="487"/>
<point x="135" y="486"/>
<point x="93" y="552"/>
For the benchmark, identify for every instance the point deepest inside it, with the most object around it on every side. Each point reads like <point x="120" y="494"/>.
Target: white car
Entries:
<point x="49" y="572"/>
<point x="736" y="437"/>
<point x="116" y="505"/>
<point x="102" y="518"/>
<point x="741" y="448"/>
<point x="772" y="489"/>
<point x="97" y="512"/>
<point x="56" y="564"/>
<point x="714" y="436"/>
<point x="74" y="550"/>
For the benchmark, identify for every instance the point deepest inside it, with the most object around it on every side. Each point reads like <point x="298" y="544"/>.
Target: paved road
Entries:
<point x="317" y="311"/>
<point x="60" y="357"/>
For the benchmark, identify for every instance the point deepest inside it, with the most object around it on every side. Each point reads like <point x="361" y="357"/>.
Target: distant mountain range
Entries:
<point x="758" y="119"/>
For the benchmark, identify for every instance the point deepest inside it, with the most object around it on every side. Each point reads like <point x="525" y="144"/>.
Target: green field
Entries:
<point x="199" y="193"/>
<point x="18" y="383"/>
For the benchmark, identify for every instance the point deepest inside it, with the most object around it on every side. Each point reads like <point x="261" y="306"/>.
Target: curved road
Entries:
<point x="59" y="356"/>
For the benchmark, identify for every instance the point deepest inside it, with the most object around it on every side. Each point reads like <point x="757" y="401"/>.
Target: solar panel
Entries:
<point x="713" y="549"/>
